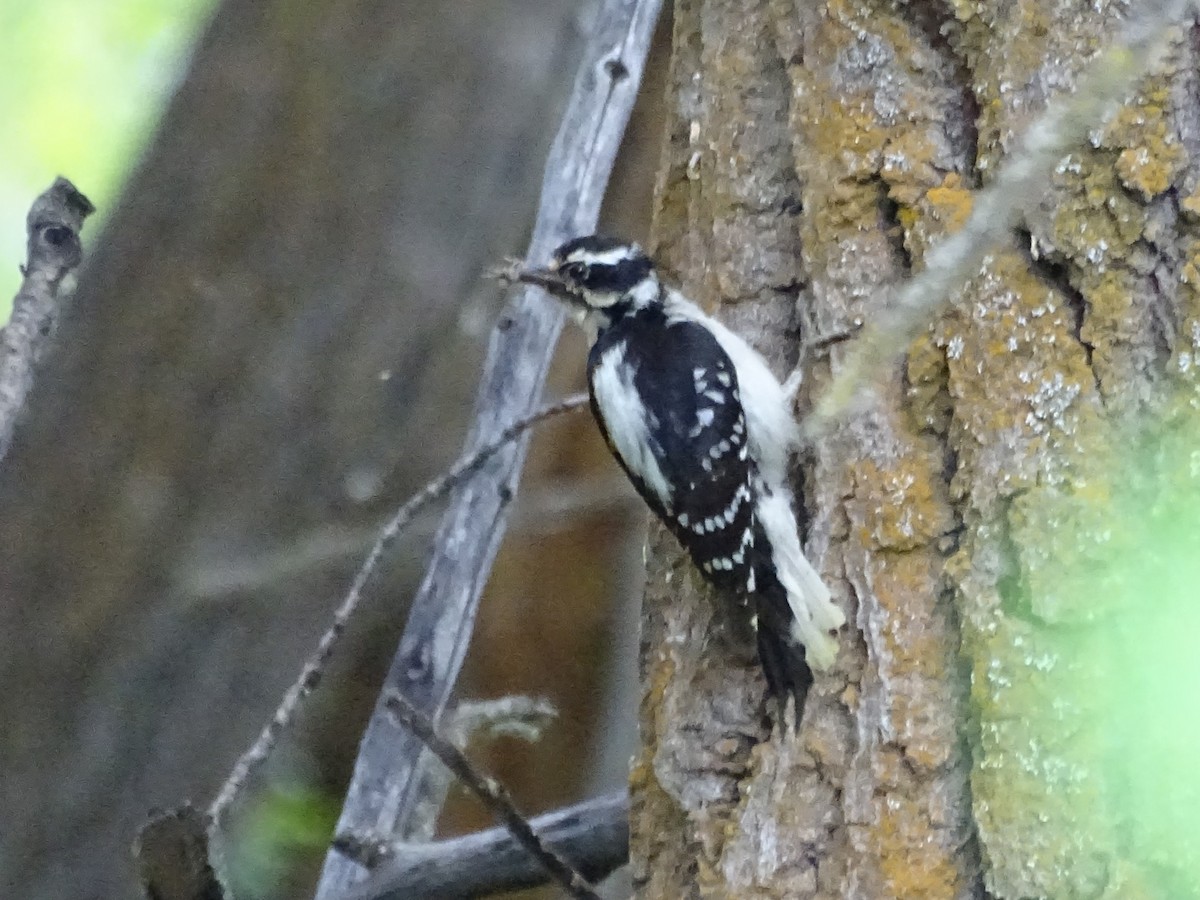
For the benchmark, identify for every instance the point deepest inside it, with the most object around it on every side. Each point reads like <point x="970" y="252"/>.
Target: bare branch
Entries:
<point x="314" y="668"/>
<point x="386" y="785"/>
<point x="1024" y="178"/>
<point x="593" y="835"/>
<point x="473" y="722"/>
<point x="54" y="252"/>
<point x="493" y="795"/>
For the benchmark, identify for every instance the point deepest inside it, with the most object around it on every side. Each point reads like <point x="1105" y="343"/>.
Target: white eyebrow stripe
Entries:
<point x="602" y="258"/>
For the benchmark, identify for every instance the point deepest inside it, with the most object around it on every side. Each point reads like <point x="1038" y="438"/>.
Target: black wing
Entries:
<point x="692" y="466"/>
<point x="680" y="382"/>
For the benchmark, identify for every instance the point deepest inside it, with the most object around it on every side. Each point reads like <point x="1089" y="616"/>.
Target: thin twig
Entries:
<point x="1026" y="176"/>
<point x="472" y="723"/>
<point x="314" y="668"/>
<point x="491" y="794"/>
<point x="387" y="785"/>
<point x="54" y="252"/>
<point x="593" y="835"/>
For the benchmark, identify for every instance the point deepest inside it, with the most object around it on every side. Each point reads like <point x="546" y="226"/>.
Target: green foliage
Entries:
<point x="286" y="824"/>
<point x="84" y="84"/>
<point x="1152" y="688"/>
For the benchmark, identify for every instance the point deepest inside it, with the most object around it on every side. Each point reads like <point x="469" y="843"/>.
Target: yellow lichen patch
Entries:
<point x="826" y="741"/>
<point x="903" y="508"/>
<point x="908" y="165"/>
<point x="1150" y="175"/>
<point x="851" y="696"/>
<point x="928" y="755"/>
<point x="950" y="203"/>
<point x="905" y="586"/>
<point x="965" y="10"/>
<point x="1096" y="220"/>
<point x="928" y="407"/>
<point x="641" y="775"/>
<point x="915" y="859"/>
<point x="940" y="210"/>
<point x="845" y="130"/>
<point x="1019" y="376"/>
<point x="660" y="674"/>
<point x="888" y="768"/>
<point x="1150" y="159"/>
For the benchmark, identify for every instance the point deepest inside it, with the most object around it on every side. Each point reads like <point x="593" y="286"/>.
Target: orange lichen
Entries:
<point x="903" y="583"/>
<point x="950" y="203"/>
<point x="912" y="857"/>
<point x="933" y="211"/>
<point x="902" y="508"/>
<point x="1150" y="159"/>
<point x="1148" y="173"/>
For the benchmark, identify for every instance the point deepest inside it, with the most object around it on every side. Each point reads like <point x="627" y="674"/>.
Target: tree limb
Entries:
<point x="386" y="783"/>
<point x="471" y="723"/>
<point x="593" y="835"/>
<point x="314" y="668"/>
<point x="54" y="252"/>
<point x="493" y="795"/>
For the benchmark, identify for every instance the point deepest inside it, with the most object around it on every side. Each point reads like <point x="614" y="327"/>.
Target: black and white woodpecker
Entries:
<point x="705" y="431"/>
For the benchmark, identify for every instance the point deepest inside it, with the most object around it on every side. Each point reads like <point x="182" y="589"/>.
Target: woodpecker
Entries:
<point x="705" y="432"/>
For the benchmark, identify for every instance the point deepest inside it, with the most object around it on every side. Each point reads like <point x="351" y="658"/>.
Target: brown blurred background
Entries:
<point x="274" y="342"/>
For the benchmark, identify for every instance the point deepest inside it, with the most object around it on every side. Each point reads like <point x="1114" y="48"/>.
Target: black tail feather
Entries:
<point x="783" y="661"/>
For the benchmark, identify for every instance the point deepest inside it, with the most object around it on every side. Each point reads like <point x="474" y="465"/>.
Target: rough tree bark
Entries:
<point x="814" y="152"/>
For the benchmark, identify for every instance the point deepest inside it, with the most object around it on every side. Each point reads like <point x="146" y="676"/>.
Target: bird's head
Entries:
<point x="599" y="278"/>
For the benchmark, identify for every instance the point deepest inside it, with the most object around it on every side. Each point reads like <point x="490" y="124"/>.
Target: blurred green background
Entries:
<point x="84" y="84"/>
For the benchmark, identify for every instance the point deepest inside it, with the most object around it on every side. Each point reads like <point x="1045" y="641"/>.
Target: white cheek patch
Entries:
<point x="601" y="299"/>
<point x="627" y="421"/>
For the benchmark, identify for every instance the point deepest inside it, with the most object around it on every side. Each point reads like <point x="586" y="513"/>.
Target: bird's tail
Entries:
<point x="782" y="656"/>
<point x="800" y="599"/>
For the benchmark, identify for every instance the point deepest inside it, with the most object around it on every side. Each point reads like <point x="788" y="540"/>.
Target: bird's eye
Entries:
<point x="576" y="271"/>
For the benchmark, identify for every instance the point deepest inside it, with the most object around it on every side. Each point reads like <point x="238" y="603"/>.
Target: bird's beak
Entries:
<point x="547" y="279"/>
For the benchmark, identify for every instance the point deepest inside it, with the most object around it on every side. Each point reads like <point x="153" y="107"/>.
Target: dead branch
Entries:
<point x="593" y="836"/>
<point x="386" y="785"/>
<point x="314" y="669"/>
<point x="475" y="723"/>
<point x="493" y="795"/>
<point x="54" y="252"/>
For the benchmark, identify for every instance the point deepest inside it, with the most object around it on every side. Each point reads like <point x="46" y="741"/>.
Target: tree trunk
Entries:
<point x="814" y="153"/>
